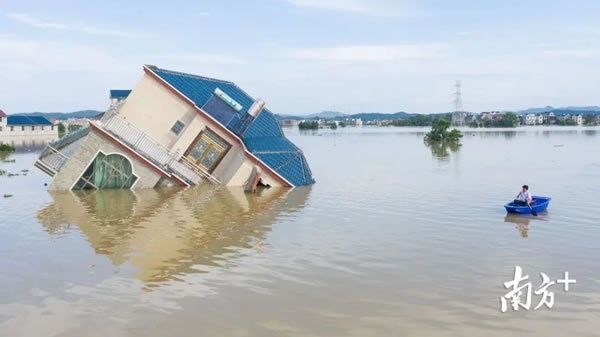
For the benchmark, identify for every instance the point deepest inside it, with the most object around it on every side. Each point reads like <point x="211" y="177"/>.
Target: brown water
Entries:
<point x="395" y="239"/>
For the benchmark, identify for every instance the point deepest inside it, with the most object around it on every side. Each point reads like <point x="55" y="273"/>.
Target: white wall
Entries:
<point x="26" y="130"/>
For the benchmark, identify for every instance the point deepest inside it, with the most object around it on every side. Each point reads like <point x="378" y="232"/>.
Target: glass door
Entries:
<point x="207" y="150"/>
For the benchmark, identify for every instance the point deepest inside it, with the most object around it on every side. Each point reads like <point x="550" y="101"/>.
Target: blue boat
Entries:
<point x="539" y="205"/>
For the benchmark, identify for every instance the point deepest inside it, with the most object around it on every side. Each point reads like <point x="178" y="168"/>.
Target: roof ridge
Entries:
<point x="155" y="68"/>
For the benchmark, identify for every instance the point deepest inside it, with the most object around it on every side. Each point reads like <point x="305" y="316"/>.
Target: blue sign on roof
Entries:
<point x="263" y="137"/>
<point x="27" y="120"/>
<point x="119" y="93"/>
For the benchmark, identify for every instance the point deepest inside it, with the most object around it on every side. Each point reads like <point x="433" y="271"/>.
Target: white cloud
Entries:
<point x="32" y="55"/>
<point x="203" y="58"/>
<point x="35" y="22"/>
<point x="369" y="53"/>
<point x="369" y="7"/>
<point x="573" y="52"/>
<point x="82" y="28"/>
<point x="109" y="32"/>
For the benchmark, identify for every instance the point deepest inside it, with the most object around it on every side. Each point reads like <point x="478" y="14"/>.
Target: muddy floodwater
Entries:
<point x="394" y="239"/>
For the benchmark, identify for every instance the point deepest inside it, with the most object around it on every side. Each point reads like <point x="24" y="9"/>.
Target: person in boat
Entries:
<point x="524" y="197"/>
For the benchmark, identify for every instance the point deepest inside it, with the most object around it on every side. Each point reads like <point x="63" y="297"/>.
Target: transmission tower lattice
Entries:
<point x="458" y="106"/>
<point x="458" y="117"/>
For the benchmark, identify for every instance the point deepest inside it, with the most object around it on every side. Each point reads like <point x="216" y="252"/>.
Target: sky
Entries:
<point x="306" y="56"/>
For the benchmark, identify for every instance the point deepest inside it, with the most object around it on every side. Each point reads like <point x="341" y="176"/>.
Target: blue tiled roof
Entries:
<point x="119" y="93"/>
<point x="27" y="120"/>
<point x="263" y="137"/>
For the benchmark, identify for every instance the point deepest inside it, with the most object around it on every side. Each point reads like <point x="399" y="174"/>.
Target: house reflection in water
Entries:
<point x="168" y="233"/>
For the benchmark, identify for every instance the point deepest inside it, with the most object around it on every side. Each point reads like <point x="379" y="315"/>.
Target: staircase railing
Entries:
<point x="155" y="152"/>
<point x="53" y="158"/>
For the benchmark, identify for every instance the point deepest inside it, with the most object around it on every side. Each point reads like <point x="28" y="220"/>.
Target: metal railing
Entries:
<point x="70" y="137"/>
<point x="53" y="158"/>
<point x="156" y="152"/>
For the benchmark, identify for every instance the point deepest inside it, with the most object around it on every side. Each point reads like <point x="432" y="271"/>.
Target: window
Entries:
<point x="177" y="127"/>
<point x="42" y="128"/>
<point x="32" y="128"/>
<point x="0" y="128"/>
<point x="51" y="127"/>
<point x="207" y="150"/>
<point x="12" y="128"/>
<point x="107" y="172"/>
<point x="22" y="128"/>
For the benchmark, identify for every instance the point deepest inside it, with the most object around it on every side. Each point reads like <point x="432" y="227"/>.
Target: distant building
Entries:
<point x="549" y="118"/>
<point x="531" y="119"/>
<point x="579" y="120"/>
<point x="26" y="126"/>
<point x="2" y="120"/>
<point x="458" y="118"/>
<point x="352" y="122"/>
<point x="288" y="122"/>
<point x="74" y="123"/>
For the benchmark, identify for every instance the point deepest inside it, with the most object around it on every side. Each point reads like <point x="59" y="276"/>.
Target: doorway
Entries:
<point x="207" y="150"/>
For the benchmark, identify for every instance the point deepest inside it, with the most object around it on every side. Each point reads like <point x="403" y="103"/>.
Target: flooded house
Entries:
<point x="181" y="129"/>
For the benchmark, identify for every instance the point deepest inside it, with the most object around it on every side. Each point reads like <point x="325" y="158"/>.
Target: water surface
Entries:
<point x="395" y="239"/>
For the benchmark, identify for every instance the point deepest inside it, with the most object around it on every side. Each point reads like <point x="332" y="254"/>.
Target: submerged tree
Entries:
<point x="439" y="133"/>
<point x="440" y="140"/>
<point x="441" y="150"/>
<point x="308" y="125"/>
<point x="6" y="148"/>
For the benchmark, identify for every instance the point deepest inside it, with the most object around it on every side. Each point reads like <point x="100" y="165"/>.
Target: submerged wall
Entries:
<point x="87" y="151"/>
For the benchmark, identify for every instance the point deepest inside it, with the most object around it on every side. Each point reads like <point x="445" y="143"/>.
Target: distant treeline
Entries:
<point x="308" y="125"/>
<point x="509" y="120"/>
<point x="364" y="116"/>
<point x="61" y="115"/>
<point x="421" y="120"/>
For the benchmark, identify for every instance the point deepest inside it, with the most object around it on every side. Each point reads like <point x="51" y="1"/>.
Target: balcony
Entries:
<point x="56" y="153"/>
<point x="155" y="152"/>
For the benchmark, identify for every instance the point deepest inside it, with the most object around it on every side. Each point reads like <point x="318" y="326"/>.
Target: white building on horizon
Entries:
<point x="26" y="126"/>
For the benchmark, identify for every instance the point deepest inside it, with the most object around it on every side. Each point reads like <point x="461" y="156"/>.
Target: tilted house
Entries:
<point x="177" y="128"/>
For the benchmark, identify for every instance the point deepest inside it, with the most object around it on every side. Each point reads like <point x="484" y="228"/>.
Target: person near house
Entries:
<point x="524" y="197"/>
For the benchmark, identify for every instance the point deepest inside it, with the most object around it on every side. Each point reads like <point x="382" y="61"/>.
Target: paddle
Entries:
<point x="534" y="213"/>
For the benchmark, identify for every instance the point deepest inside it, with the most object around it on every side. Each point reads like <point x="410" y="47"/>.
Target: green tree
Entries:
<point x="6" y="148"/>
<point x="589" y="120"/>
<point x="308" y="125"/>
<point x="510" y="120"/>
<point x="61" y="129"/>
<point x="439" y="132"/>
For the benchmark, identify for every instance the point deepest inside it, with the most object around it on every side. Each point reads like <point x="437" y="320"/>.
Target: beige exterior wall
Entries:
<point x="80" y="160"/>
<point x="154" y="109"/>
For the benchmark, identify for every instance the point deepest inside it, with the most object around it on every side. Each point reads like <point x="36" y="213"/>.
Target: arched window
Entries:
<point x="107" y="172"/>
